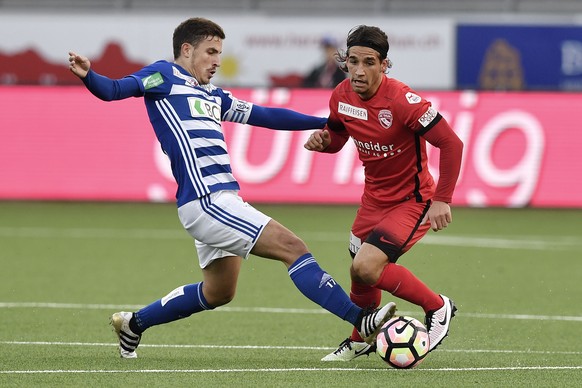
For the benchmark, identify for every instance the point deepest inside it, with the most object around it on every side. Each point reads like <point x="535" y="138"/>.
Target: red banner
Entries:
<point x="63" y="143"/>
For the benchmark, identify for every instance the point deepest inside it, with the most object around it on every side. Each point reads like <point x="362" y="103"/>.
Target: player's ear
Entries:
<point x="186" y="50"/>
<point x="384" y="65"/>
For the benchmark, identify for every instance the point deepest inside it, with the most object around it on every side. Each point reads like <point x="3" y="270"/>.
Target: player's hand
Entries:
<point x="439" y="215"/>
<point x="318" y="140"/>
<point x="78" y="64"/>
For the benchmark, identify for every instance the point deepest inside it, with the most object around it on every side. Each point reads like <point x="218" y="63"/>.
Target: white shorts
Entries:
<point x="222" y="225"/>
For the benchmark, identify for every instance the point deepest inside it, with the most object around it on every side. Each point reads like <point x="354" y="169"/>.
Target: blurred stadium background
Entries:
<point x="307" y="6"/>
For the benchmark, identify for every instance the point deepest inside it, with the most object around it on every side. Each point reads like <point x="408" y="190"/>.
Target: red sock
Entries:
<point x="402" y="283"/>
<point x="364" y="296"/>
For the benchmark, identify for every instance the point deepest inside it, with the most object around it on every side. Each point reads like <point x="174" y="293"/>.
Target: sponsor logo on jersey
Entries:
<point x="151" y="81"/>
<point x="204" y="108"/>
<point x="428" y="116"/>
<point x="190" y="81"/>
<point x="385" y="118"/>
<point x="241" y="106"/>
<point x="376" y="149"/>
<point x="413" y="98"/>
<point x="352" y="111"/>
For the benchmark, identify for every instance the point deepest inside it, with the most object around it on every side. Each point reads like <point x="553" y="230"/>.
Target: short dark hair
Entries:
<point x="193" y="31"/>
<point x="367" y="36"/>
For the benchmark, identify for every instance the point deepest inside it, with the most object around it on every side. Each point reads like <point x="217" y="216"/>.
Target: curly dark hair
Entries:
<point x="193" y="31"/>
<point x="368" y="36"/>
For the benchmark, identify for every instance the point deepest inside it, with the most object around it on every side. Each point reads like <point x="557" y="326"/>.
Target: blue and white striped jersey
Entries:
<point x="186" y="118"/>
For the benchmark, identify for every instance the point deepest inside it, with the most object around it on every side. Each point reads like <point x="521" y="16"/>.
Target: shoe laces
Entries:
<point x="347" y="343"/>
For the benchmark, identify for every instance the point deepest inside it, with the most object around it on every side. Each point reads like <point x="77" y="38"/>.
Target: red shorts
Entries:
<point x="393" y="229"/>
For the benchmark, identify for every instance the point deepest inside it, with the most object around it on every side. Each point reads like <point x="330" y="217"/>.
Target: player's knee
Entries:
<point x="278" y="242"/>
<point x="365" y="272"/>
<point x="220" y="298"/>
<point x="227" y="298"/>
<point x="296" y="245"/>
<point x="291" y="247"/>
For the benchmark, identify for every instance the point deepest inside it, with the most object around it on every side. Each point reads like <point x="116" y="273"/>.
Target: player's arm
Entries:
<point x="331" y="139"/>
<point x="244" y="112"/>
<point x="326" y="140"/>
<point x="283" y="119"/>
<point x="441" y="135"/>
<point x="318" y="141"/>
<point x="102" y="87"/>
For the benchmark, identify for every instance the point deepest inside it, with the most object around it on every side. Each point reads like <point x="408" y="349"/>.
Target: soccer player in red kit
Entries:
<point x="390" y="125"/>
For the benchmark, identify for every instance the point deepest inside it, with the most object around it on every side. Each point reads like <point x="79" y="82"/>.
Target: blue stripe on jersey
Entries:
<point x="216" y="169"/>
<point x="207" y="120"/>
<point x="208" y="151"/>
<point x="224" y="186"/>
<point x="173" y="121"/>
<point x="186" y="117"/>
<point x="205" y="133"/>
<point x="238" y="117"/>
<point x="228" y="219"/>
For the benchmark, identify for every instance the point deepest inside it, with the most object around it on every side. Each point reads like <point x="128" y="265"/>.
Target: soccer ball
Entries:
<point x="402" y="342"/>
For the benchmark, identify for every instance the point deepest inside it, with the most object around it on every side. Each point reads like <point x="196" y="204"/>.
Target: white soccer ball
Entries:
<point x="402" y="342"/>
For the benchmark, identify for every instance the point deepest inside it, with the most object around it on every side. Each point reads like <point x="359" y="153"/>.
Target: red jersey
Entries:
<point x="390" y="132"/>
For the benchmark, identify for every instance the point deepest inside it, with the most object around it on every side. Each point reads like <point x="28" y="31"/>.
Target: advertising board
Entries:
<point x="519" y="57"/>
<point x="259" y="50"/>
<point x="61" y="143"/>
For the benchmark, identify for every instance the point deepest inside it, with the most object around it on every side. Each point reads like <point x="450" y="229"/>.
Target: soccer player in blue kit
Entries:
<point x="186" y="111"/>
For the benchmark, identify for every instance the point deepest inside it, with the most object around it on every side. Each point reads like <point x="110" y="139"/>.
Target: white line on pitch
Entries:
<point x="267" y="347"/>
<point x="262" y="370"/>
<point x="275" y="310"/>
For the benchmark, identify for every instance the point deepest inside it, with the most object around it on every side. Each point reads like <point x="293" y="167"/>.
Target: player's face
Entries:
<point x="366" y="70"/>
<point x="203" y="60"/>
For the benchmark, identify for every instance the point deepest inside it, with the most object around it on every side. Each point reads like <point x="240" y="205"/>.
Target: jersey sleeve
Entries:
<point x="421" y="117"/>
<point x="108" y="89"/>
<point x="338" y="133"/>
<point x="233" y="109"/>
<point x="442" y="136"/>
<point x="419" y="114"/>
<point x="245" y="112"/>
<point x="151" y="81"/>
<point x="154" y="80"/>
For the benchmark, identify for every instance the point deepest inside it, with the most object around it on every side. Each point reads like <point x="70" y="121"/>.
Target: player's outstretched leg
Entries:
<point x="128" y="340"/>
<point x="438" y="322"/>
<point x="372" y="322"/>
<point x="350" y="349"/>
<point x="178" y="304"/>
